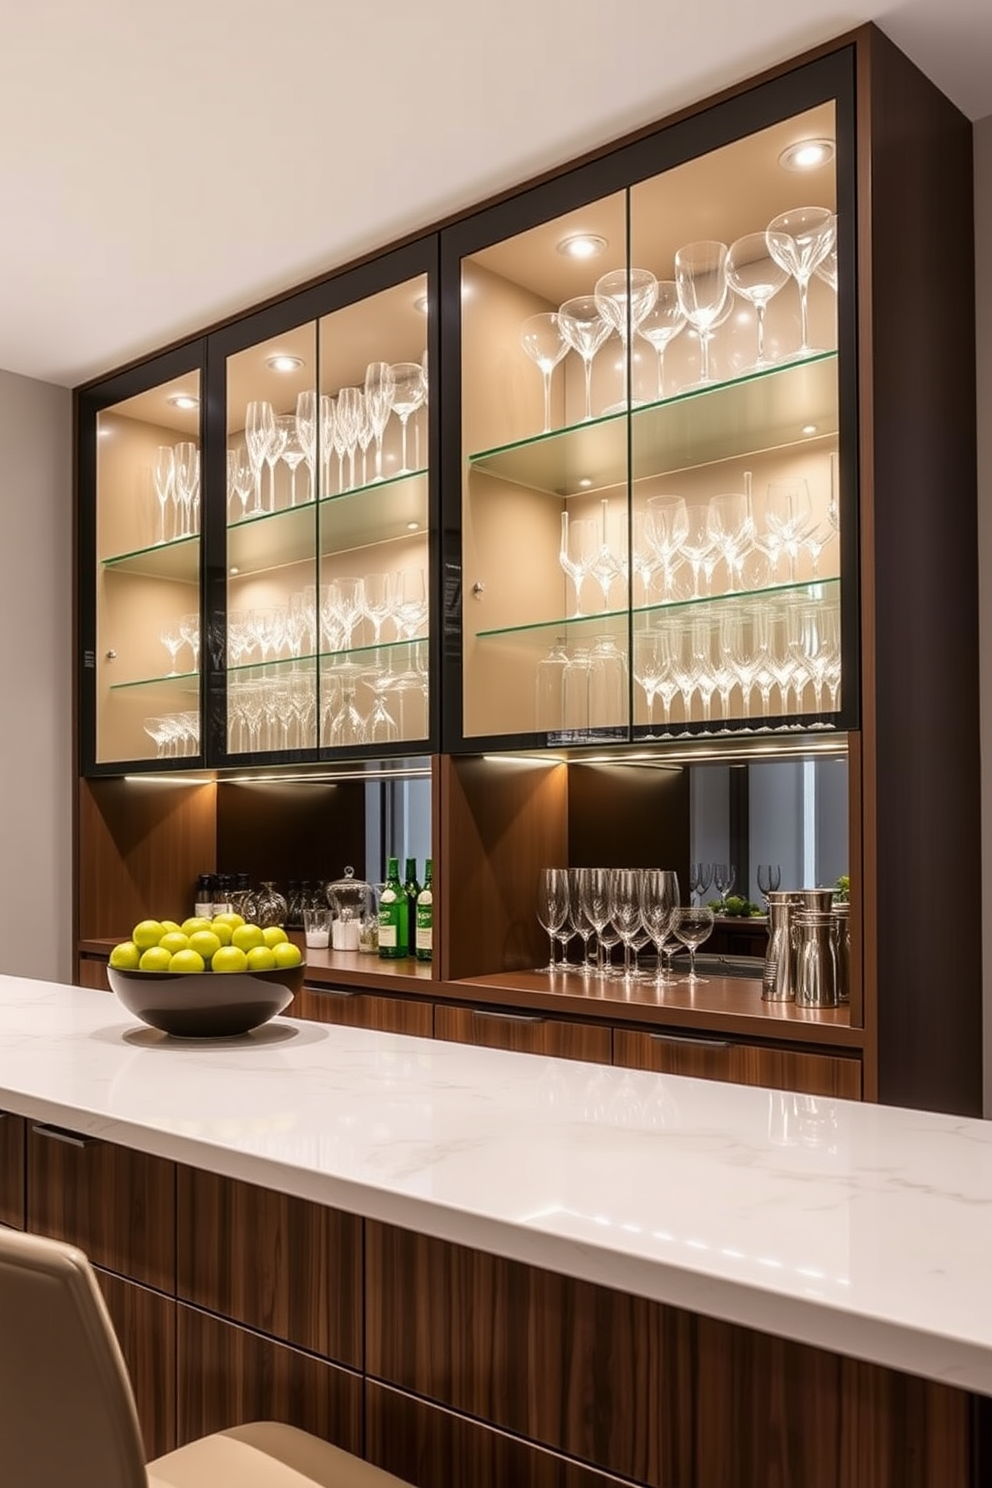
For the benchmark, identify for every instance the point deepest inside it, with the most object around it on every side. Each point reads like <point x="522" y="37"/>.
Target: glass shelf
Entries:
<point x="176" y="682"/>
<point x="364" y="653"/>
<point x="759" y="411"/>
<point x="350" y="520"/>
<point x="178" y="560"/>
<point x="614" y="622"/>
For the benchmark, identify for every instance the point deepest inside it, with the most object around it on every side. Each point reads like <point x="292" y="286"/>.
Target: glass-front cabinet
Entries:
<point x="654" y="489"/>
<point x="142" y="581"/>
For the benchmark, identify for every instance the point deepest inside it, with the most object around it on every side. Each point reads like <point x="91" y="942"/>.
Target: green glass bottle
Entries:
<point x="393" y="916"/>
<point x="411" y="889"/>
<point x="424" y="937"/>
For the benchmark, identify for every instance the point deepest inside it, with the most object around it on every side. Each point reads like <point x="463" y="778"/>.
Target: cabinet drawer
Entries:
<point x="117" y="1205"/>
<point x="281" y="1265"/>
<point x="12" y="1170"/>
<point x="714" y="1058"/>
<point x="229" y="1375"/>
<point x="145" y="1324"/>
<point x="354" y="1009"/>
<point x="524" y="1033"/>
<point x="437" y="1448"/>
<point x="92" y="972"/>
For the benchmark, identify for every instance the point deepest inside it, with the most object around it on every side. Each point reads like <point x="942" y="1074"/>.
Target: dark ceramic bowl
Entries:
<point x="206" y="1004"/>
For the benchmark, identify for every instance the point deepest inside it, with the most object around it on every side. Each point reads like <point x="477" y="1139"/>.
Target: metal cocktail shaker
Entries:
<point x="816" y="959"/>
<point x="842" y="944"/>
<point x="778" y="982"/>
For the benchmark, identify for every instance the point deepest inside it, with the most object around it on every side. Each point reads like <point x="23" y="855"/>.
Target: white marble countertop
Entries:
<point x="863" y="1229"/>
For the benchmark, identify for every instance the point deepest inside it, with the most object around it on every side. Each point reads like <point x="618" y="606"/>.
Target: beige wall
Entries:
<point x="36" y="755"/>
<point x="983" y="244"/>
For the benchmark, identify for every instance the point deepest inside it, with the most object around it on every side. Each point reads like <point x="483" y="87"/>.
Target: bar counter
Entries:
<point x="860" y="1229"/>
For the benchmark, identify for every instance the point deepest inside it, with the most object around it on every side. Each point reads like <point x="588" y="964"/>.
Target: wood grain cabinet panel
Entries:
<point x="524" y="1033"/>
<point x="229" y="1375"/>
<point x="740" y="1064"/>
<point x="92" y="972"/>
<point x="353" y="1009"/>
<point x="437" y="1448"/>
<point x="11" y="1170"/>
<point x="145" y="1324"/>
<point x="278" y="1264"/>
<point x="117" y="1205"/>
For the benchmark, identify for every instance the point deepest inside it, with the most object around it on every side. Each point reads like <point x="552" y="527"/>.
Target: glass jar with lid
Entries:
<point x="353" y="906"/>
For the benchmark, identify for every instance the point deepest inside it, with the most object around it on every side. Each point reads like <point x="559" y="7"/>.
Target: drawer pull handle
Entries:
<point x="335" y="991"/>
<point x="688" y="1038"/>
<point x="59" y="1134"/>
<point x="507" y="1017"/>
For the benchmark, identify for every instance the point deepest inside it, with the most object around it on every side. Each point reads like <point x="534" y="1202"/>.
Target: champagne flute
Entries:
<point x="579" y="919"/>
<point x="348" y="417"/>
<point x="542" y="339"/>
<point x="577" y="552"/>
<point x="273" y="452"/>
<point x="165" y="479"/>
<point x="306" y="435"/>
<point x="409" y="391"/>
<point x="595" y="891"/>
<point x="187" y="484"/>
<point x="662" y="323"/>
<point x="585" y="330"/>
<point x="625" y="910"/>
<point x="328" y="440"/>
<point x="703" y="292"/>
<point x="292" y="452"/>
<point x="552" y="907"/>
<point x="800" y="241"/>
<point x="757" y="276"/>
<point x="380" y="386"/>
<point x="691" y="926"/>
<point x="659" y="907"/>
<point x="260" y="424"/>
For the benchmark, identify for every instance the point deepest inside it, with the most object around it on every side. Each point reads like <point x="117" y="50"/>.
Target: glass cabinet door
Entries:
<point x="146" y="520"/>
<point x="650" y="471"/>
<point x="271" y="475"/>
<point x="374" y="579"/>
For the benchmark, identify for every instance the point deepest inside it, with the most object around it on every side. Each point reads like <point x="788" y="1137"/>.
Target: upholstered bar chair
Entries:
<point x="67" y="1414"/>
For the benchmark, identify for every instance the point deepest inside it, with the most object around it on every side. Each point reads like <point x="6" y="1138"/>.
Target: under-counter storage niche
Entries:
<point x="651" y="476"/>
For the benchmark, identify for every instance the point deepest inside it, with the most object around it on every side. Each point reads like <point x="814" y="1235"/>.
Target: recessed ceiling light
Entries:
<point x="412" y="526"/>
<point x="184" y="401"/>
<point x="809" y="428"/>
<point x="103" y="433"/>
<point x="234" y="572"/>
<point x="585" y="483"/>
<point x="807" y="155"/>
<point x="421" y="303"/>
<point x="582" y="245"/>
<point x="283" y="363"/>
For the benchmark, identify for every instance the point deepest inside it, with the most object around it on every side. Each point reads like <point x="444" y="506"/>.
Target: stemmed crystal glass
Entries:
<point x="577" y="552"/>
<point x="187" y="485"/>
<point x="552" y="907"/>
<point x="164" y="475"/>
<point x="724" y="875"/>
<point x="769" y="877"/>
<point x="364" y="434"/>
<point x="800" y="241"/>
<point x="306" y="437"/>
<point x="189" y="630"/>
<point x="625" y="297"/>
<point x="788" y="515"/>
<point x="584" y="328"/>
<point x="260" y="423"/>
<point x="378" y="601"/>
<point x="328" y="441"/>
<point x="346" y="601"/>
<point x="700" y="878"/>
<point x="242" y="480"/>
<point x="292" y="452"/>
<point x="703" y="292"/>
<point x="348" y="414"/>
<point x="662" y="324"/>
<point x="692" y="925"/>
<point x="595" y="891"/>
<point x="667" y="527"/>
<point x="754" y="274"/>
<point x="409" y="391"/>
<point x="659" y="907"/>
<point x="542" y="339"/>
<point x="273" y="452"/>
<point x="410" y="601"/>
<point x="650" y="666"/>
<point x="731" y="529"/>
<point x="609" y="561"/>
<point x="173" y="641"/>
<point x="578" y="918"/>
<point x="625" y="910"/>
<point x="380" y="385"/>
<point x="697" y="541"/>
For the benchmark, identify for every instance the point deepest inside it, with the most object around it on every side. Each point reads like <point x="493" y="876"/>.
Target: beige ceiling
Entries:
<point x="165" y="165"/>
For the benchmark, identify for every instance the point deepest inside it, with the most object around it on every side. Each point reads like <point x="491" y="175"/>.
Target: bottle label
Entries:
<point x="204" y="908"/>
<point x="425" y="938"/>
<point x="387" y="935"/>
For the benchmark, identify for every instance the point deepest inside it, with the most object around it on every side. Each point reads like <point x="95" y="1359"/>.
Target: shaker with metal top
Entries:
<point x="778" y="982"/>
<point x="816" y="959"/>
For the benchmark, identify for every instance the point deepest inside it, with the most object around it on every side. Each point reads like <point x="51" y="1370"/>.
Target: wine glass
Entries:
<point x="585" y="330"/>
<point x="380" y="385"/>
<point x="378" y="601"/>
<point x="579" y="919"/>
<point x="306" y="437"/>
<point x="692" y="925"/>
<point x="595" y="891"/>
<point x="364" y="434"/>
<point x="610" y="560"/>
<point x="703" y="292"/>
<point x="769" y="878"/>
<point x="697" y="541"/>
<point x="165" y="477"/>
<point x="348" y="416"/>
<point x="659" y="907"/>
<point x="292" y="452"/>
<point x="577" y="552"/>
<point x="552" y="906"/>
<point x="409" y="391"/>
<point x="700" y="878"/>
<point x="260" y="422"/>
<point x="625" y="910"/>
<point x="731" y="528"/>
<point x="328" y="440"/>
<point x="662" y="323"/>
<point x="189" y="630"/>
<point x="757" y="276"/>
<point x="410" y="601"/>
<point x="667" y="527"/>
<point x="187" y="484"/>
<point x="788" y="515"/>
<point x="800" y="241"/>
<point x="542" y="339"/>
<point x="723" y="878"/>
<point x="173" y="641"/>
<point x="625" y="297"/>
<point x="274" y="449"/>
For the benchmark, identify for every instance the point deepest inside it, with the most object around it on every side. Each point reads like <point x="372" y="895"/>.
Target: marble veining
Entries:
<point x="860" y="1228"/>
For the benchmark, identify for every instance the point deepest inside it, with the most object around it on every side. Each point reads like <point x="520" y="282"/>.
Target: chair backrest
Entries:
<point x="67" y="1414"/>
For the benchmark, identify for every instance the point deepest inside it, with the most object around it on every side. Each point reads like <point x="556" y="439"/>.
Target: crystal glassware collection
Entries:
<point x="176" y="478"/>
<point x="708" y="277"/>
<point x="633" y="907"/>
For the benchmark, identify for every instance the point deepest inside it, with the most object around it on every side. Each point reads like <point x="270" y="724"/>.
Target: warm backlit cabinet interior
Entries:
<point x="650" y="424"/>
